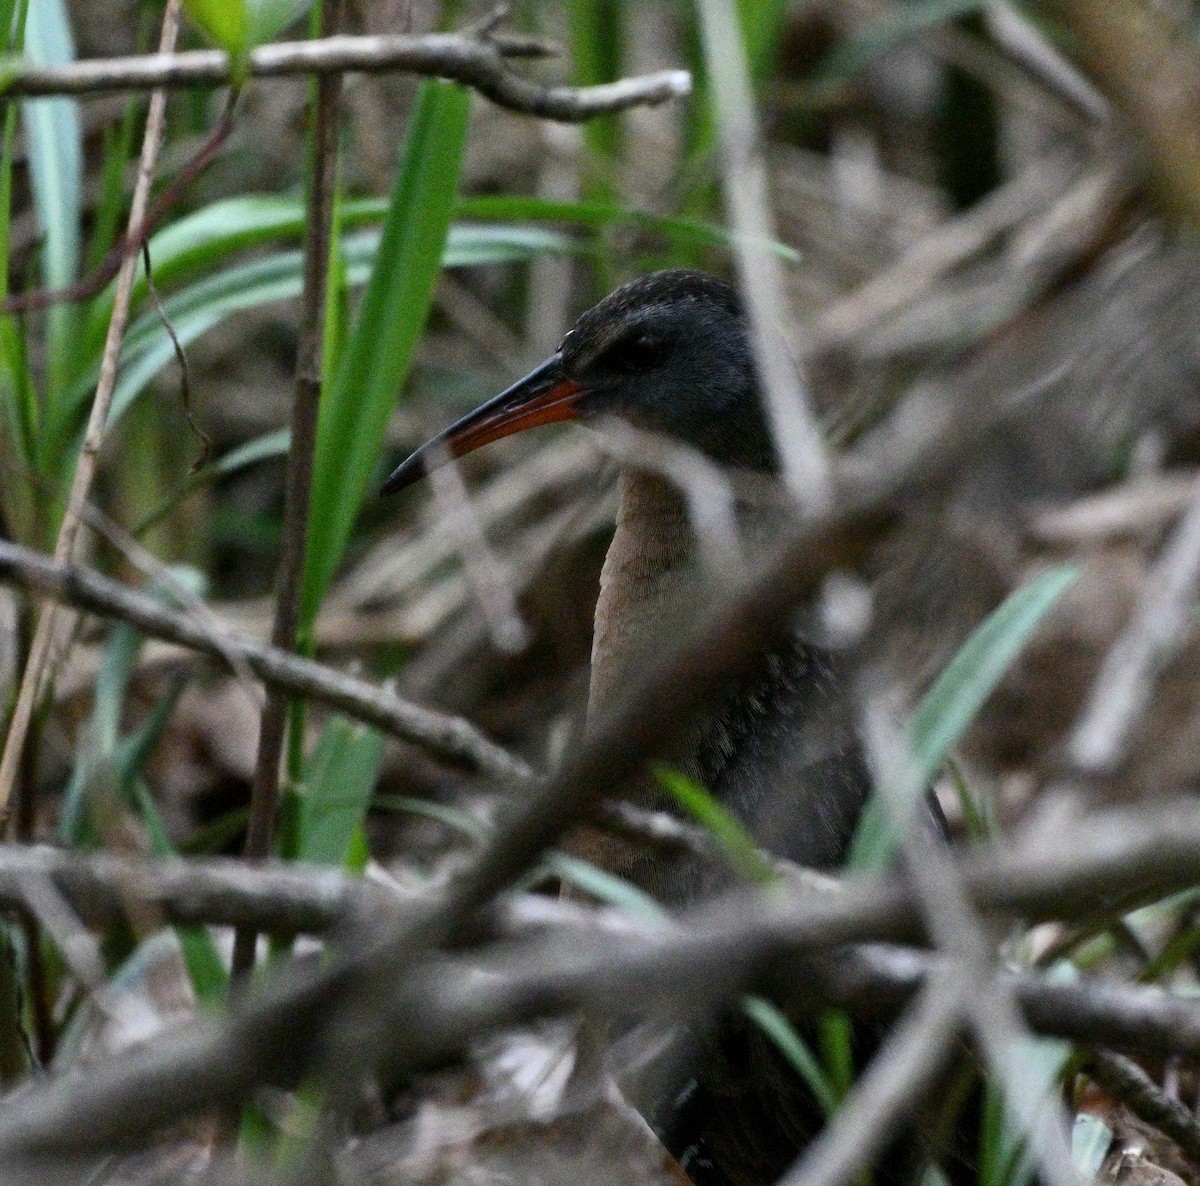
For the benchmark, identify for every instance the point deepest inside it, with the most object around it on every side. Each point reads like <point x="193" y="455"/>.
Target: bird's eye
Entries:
<point x="632" y="353"/>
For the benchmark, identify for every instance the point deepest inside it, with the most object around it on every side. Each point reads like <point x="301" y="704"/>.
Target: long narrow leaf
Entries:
<point x="338" y="785"/>
<point x="19" y="416"/>
<point x="953" y="703"/>
<point x="205" y="968"/>
<point x="199" y="308"/>
<point x="206" y="239"/>
<point x="56" y="169"/>
<point x="356" y="409"/>
<point x="772" y="1021"/>
<point x="726" y="829"/>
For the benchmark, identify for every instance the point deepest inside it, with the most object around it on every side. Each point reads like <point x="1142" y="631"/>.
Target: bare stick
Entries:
<point x="80" y="951"/>
<point x="489" y="578"/>
<point x="450" y="737"/>
<point x="901" y="1074"/>
<point x="1099" y="741"/>
<point x="85" y="470"/>
<point x="310" y="377"/>
<point x="956" y="928"/>
<point x="218" y="891"/>
<point x="476" y="62"/>
<point x="804" y="460"/>
<point x="1130" y="1084"/>
<point x="563" y="947"/>
<point x="717" y="947"/>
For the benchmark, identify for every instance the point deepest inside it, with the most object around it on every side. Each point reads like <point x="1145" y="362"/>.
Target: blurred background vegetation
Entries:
<point x="887" y="126"/>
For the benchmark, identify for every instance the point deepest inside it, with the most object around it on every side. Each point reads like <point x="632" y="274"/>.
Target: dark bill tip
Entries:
<point x="544" y="396"/>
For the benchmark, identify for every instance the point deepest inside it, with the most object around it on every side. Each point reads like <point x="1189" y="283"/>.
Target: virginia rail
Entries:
<point x="670" y="353"/>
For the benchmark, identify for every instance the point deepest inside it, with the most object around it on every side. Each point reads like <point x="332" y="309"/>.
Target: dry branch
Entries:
<point x="379" y="1004"/>
<point x="447" y="736"/>
<point x="479" y="63"/>
<point x="1130" y="1084"/>
<point x="288" y="899"/>
<point x="217" y="891"/>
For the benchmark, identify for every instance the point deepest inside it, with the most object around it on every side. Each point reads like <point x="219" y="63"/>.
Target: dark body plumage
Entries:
<point x="670" y="353"/>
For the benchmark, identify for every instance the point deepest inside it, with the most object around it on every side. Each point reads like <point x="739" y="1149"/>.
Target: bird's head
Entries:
<point x="666" y="353"/>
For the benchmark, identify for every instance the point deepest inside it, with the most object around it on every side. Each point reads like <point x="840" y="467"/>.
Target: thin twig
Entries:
<point x="905" y="1070"/>
<point x="276" y="1037"/>
<point x="289" y="900"/>
<point x="85" y="469"/>
<point x="944" y="248"/>
<point x="80" y="952"/>
<point x="1163" y="620"/>
<point x="804" y="460"/>
<point x="218" y="891"/>
<point x="449" y="737"/>
<point x="136" y="237"/>
<point x="1145" y="1099"/>
<point x="310" y="377"/>
<point x="956" y="929"/>
<point x="474" y="62"/>
<point x="489" y="578"/>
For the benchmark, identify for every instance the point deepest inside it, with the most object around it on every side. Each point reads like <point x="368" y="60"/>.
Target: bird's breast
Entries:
<point x="648" y="582"/>
<point x="777" y="748"/>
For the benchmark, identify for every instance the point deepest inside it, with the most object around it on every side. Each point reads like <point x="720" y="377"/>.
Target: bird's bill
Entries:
<point x="544" y="396"/>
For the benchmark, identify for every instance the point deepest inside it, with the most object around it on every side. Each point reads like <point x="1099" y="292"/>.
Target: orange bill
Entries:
<point x="544" y="396"/>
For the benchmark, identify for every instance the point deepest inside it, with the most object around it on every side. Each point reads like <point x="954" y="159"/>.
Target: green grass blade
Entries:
<point x="953" y="703"/>
<point x="205" y="240"/>
<point x="266" y="447"/>
<point x="336" y="792"/>
<point x="268" y="18"/>
<point x="679" y="232"/>
<point x="604" y="886"/>
<point x="19" y="413"/>
<point x="443" y="813"/>
<point x="205" y="968"/>
<point x="596" y="35"/>
<point x="836" y="1033"/>
<point x="735" y="841"/>
<point x="225" y="22"/>
<point x="772" y="1021"/>
<point x="55" y="141"/>
<point x="201" y="307"/>
<point x="762" y="22"/>
<point x="116" y="152"/>
<point x="359" y="402"/>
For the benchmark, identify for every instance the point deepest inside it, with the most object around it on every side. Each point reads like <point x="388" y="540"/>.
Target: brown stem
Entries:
<point x="134" y="239"/>
<point x="264" y="794"/>
<point x="449" y="737"/>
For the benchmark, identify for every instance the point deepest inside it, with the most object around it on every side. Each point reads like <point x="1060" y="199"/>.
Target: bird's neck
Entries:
<point x="647" y="581"/>
<point x="652" y="583"/>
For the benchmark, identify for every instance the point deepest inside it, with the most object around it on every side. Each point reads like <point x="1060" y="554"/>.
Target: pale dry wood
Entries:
<point x="46" y="632"/>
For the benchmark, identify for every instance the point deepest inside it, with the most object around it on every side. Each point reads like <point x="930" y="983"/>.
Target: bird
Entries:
<point x="670" y="353"/>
